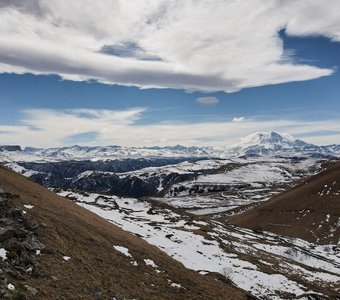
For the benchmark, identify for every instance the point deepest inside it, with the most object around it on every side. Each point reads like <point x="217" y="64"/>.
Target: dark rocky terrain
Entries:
<point x="19" y="236"/>
<point x="10" y="148"/>
<point x="104" y="180"/>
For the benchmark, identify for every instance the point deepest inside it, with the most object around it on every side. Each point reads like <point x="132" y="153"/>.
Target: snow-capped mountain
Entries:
<point x="115" y="152"/>
<point x="260" y="143"/>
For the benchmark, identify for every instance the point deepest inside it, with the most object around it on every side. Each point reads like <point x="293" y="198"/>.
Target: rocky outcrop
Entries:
<point x="10" y="148"/>
<point x="19" y="248"/>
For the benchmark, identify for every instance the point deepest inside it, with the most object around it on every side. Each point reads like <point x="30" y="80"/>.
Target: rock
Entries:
<point x="13" y="244"/>
<point x="118" y="296"/>
<point x="54" y="278"/>
<point x="3" y="292"/>
<point x="44" y="225"/>
<point x="4" y="222"/>
<point x="24" y="258"/>
<point x="13" y="273"/>
<point x="151" y="212"/>
<point x="17" y="236"/>
<point x="32" y="243"/>
<point x="2" y="275"/>
<point x="15" y="213"/>
<point x="29" y="223"/>
<point x="21" y="233"/>
<point x="6" y="233"/>
<point x="36" y="270"/>
<point x="31" y="290"/>
<point x="10" y="148"/>
<point x="3" y="201"/>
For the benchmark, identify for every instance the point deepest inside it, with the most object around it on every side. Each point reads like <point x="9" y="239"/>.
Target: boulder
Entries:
<point x="32" y="243"/>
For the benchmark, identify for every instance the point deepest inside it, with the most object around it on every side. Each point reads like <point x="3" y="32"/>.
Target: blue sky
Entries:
<point x="69" y="107"/>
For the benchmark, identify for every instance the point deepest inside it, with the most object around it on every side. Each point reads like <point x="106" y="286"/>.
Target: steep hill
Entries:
<point x="310" y="210"/>
<point x="83" y="256"/>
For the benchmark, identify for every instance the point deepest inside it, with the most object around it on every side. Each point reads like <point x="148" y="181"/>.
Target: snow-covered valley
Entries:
<point x="267" y="265"/>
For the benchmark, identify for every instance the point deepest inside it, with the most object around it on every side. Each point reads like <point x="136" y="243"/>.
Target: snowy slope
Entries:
<point x="260" y="143"/>
<point x="247" y="258"/>
<point x="239" y="184"/>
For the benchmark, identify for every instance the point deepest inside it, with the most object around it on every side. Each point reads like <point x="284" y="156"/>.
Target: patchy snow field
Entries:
<point x="181" y="168"/>
<point x="21" y="170"/>
<point x="240" y="183"/>
<point x="264" y="264"/>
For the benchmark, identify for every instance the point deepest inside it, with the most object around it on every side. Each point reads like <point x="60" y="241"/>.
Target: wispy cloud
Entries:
<point x="238" y="119"/>
<point x="50" y="128"/>
<point x="193" y="45"/>
<point x="207" y="100"/>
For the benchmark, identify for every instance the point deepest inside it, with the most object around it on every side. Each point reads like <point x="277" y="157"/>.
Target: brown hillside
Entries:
<point x="310" y="210"/>
<point x="96" y="270"/>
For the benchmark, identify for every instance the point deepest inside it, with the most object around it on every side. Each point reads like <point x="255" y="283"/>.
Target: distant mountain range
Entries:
<point x="259" y="143"/>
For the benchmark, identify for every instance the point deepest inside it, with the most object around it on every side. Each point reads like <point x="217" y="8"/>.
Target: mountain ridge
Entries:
<point x="259" y="143"/>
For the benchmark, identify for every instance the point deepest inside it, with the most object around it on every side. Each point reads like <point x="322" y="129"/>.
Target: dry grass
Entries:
<point x="301" y="210"/>
<point x="96" y="270"/>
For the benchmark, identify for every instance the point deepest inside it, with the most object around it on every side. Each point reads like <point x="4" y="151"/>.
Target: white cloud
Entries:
<point x="221" y="45"/>
<point x="53" y="128"/>
<point x="323" y="139"/>
<point x="238" y="119"/>
<point x="207" y="100"/>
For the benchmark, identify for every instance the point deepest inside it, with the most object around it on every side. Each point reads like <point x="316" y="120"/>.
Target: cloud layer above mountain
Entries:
<point x="55" y="128"/>
<point x="196" y="45"/>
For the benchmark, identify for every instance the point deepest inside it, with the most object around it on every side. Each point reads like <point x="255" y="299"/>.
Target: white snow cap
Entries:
<point x="266" y="137"/>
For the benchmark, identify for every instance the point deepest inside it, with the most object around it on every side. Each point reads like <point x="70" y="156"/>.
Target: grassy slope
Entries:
<point x="95" y="267"/>
<point x="300" y="211"/>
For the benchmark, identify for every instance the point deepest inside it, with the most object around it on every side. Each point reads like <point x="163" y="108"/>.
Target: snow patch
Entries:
<point x="3" y="253"/>
<point x="123" y="250"/>
<point x="28" y="206"/>
<point x="150" y="262"/>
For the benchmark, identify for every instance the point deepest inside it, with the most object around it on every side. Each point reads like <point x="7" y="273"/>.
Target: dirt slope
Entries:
<point x="95" y="269"/>
<point x="310" y="210"/>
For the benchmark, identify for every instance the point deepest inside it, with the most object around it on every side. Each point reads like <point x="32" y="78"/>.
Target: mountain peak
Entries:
<point x="272" y="137"/>
<point x="270" y="142"/>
